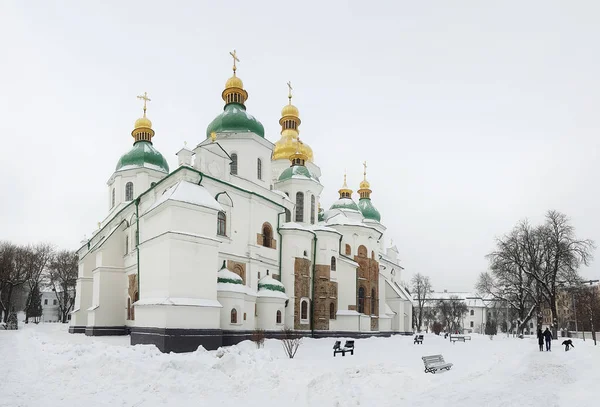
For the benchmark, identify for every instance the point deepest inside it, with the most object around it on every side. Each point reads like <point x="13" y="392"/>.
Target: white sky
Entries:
<point x="471" y="115"/>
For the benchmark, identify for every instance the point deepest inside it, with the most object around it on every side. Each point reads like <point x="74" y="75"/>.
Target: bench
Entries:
<point x="348" y="347"/>
<point x="460" y="338"/>
<point x="418" y="339"/>
<point x="434" y="363"/>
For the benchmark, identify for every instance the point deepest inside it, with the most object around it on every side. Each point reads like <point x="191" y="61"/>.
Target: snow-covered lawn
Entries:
<point x="45" y="366"/>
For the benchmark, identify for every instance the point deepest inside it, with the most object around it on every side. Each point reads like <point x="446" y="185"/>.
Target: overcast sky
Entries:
<point x="471" y="115"/>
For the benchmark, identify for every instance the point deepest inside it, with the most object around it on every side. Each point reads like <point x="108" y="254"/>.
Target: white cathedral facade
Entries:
<point x="234" y="240"/>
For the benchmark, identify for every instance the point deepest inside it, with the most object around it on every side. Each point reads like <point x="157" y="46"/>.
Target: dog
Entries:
<point x="568" y="343"/>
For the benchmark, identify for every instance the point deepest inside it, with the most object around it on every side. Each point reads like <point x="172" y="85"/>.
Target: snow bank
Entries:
<point x="44" y="365"/>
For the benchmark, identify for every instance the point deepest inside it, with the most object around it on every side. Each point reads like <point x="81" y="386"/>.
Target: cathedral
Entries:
<point x="234" y="240"/>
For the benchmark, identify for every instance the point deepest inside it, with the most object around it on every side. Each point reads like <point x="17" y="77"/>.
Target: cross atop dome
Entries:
<point x="145" y="98"/>
<point x="235" y="59"/>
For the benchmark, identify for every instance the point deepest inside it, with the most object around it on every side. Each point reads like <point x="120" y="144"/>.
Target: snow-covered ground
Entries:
<point x="43" y="365"/>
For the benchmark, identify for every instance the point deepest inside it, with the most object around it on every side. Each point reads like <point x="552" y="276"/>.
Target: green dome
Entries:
<point x="235" y="119"/>
<point x="368" y="210"/>
<point x="295" y="171"/>
<point x="143" y="155"/>
<point x="345" y="203"/>
<point x="321" y="215"/>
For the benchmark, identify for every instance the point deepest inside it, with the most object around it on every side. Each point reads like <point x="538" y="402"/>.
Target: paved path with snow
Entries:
<point x="45" y="366"/>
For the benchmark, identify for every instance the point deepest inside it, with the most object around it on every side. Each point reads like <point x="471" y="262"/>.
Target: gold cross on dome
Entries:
<point x="365" y="173"/>
<point x="235" y="59"/>
<point x="145" y="98"/>
<point x="290" y="91"/>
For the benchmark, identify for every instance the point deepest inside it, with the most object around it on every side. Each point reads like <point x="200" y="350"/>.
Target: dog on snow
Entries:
<point x="568" y="343"/>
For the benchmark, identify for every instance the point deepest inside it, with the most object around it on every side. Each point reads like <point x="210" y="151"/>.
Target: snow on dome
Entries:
<point x="269" y="287"/>
<point x="226" y="276"/>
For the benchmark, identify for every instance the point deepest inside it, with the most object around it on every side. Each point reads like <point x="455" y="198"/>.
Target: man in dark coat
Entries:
<point x="548" y="337"/>
<point x="540" y="337"/>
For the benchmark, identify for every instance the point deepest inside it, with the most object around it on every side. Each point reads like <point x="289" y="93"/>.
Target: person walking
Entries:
<point x="540" y="336"/>
<point x="548" y="337"/>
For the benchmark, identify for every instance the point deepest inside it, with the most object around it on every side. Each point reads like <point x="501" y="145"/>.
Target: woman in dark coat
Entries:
<point x="540" y="336"/>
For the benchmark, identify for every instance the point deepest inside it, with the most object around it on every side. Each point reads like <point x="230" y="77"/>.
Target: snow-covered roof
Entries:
<point x="389" y="311"/>
<point x="189" y="302"/>
<point x="346" y="312"/>
<point x="184" y="191"/>
<point x="235" y="288"/>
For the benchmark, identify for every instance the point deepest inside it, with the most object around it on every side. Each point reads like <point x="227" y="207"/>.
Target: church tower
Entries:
<point x="240" y="135"/>
<point x="364" y="203"/>
<point x="287" y="144"/>
<point x="345" y="201"/>
<point x="140" y="168"/>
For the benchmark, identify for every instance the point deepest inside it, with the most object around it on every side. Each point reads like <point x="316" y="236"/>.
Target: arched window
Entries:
<point x="372" y="254"/>
<point x="333" y="265"/>
<point x="222" y="224"/>
<point x="299" y="207"/>
<point x="113" y="198"/>
<point x="304" y="309"/>
<point x="312" y="209"/>
<point x="373" y="301"/>
<point x="129" y="191"/>
<point x="267" y="235"/>
<point x="331" y="311"/>
<point x="126" y="244"/>
<point x="234" y="316"/>
<point x="362" y="251"/>
<point x="288" y="215"/>
<point x="234" y="164"/>
<point x="472" y="312"/>
<point x="361" y="300"/>
<point x="278" y="318"/>
<point x="259" y="168"/>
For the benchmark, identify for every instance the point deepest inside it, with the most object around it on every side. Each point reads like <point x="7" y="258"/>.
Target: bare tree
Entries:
<point x="39" y="256"/>
<point x="421" y="287"/>
<point x="62" y="278"/>
<point x="530" y="262"/>
<point x="451" y="311"/>
<point x="430" y="316"/>
<point x="561" y="257"/>
<point x="509" y="280"/>
<point x="291" y="342"/>
<point x="14" y="273"/>
<point x="258" y="337"/>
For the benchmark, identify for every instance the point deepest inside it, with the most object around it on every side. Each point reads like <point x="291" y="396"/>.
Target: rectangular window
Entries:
<point x="471" y="324"/>
<point x="299" y="207"/>
<point x="45" y="302"/>
<point x="234" y="164"/>
<point x="54" y="302"/>
<point x="259" y="169"/>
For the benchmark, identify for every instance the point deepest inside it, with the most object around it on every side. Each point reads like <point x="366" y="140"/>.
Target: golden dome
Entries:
<point x="365" y="184"/>
<point x="234" y="82"/>
<point x="290" y="110"/>
<point x="285" y="147"/>
<point x="143" y="122"/>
